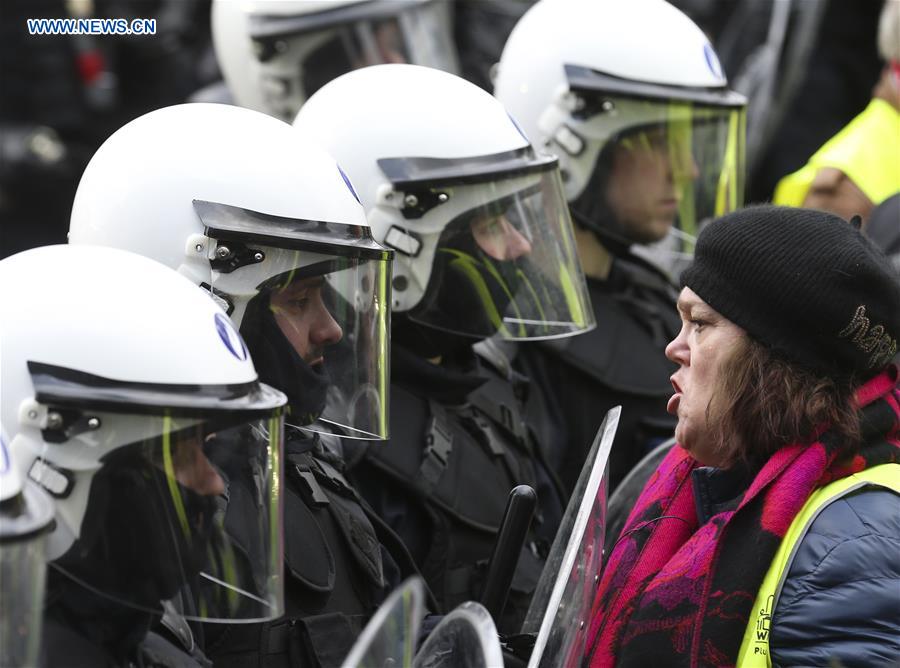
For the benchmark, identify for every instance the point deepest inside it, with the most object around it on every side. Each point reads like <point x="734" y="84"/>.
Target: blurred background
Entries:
<point x="807" y="67"/>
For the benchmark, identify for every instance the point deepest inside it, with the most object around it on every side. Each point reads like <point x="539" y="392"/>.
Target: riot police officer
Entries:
<point x="631" y="98"/>
<point x="135" y="422"/>
<point x="483" y="247"/>
<point x="270" y="227"/>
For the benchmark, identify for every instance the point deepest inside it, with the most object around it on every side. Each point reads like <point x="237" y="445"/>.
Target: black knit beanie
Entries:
<point x="804" y="283"/>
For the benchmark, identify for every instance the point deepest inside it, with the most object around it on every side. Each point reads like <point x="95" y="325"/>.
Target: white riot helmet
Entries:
<point x="274" y="54"/>
<point x="26" y="513"/>
<point x="131" y="399"/>
<point x="248" y="208"/>
<point x="632" y="99"/>
<point x="478" y="221"/>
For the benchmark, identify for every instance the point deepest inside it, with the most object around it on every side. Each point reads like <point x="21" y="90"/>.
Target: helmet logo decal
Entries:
<point x="712" y="61"/>
<point x="4" y="456"/>
<point x="349" y="185"/>
<point x="230" y="337"/>
<point x="518" y="127"/>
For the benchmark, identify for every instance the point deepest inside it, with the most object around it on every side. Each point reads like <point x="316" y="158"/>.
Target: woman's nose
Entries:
<point x="677" y="350"/>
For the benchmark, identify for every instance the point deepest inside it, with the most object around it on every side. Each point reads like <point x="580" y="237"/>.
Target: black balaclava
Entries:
<point x="279" y="365"/>
<point x="127" y="548"/>
<point x="452" y="296"/>
<point x="425" y="341"/>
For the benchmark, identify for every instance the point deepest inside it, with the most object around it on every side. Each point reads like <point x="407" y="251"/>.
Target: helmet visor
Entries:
<point x="186" y="511"/>
<point x="506" y="262"/>
<point x="327" y="321"/>
<point x="670" y="159"/>
<point x="313" y="303"/>
<point x="689" y="168"/>
<point x="301" y="53"/>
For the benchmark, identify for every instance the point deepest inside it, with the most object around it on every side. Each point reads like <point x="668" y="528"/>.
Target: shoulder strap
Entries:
<point x="435" y="457"/>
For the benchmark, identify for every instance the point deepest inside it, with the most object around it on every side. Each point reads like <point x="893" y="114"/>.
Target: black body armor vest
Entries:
<point x="341" y="561"/>
<point x="443" y="479"/>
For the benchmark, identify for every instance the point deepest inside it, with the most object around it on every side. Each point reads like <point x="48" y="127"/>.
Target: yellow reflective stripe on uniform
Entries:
<point x="754" y="652"/>
<point x="867" y="150"/>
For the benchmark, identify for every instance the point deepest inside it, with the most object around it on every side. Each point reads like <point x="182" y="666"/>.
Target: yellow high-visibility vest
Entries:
<point x="867" y="150"/>
<point x="754" y="652"/>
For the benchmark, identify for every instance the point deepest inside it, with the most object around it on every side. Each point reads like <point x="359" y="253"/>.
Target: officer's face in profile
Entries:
<point x="649" y="171"/>
<point x="304" y="319"/>
<point x="498" y="238"/>
<point x="192" y="467"/>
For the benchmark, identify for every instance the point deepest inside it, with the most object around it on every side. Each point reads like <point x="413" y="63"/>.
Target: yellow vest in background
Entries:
<point x="867" y="150"/>
<point x="754" y="651"/>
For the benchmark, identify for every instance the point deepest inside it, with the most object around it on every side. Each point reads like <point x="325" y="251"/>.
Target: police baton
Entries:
<point x="513" y="531"/>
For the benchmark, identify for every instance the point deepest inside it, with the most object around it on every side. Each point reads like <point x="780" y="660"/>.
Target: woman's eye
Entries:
<point x="698" y="324"/>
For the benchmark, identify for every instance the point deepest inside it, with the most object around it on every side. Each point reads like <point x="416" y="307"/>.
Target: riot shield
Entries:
<point x="466" y="638"/>
<point x="562" y="601"/>
<point x="389" y="638"/>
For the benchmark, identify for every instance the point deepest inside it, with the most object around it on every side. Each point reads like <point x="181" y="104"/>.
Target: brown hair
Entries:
<point x="763" y="402"/>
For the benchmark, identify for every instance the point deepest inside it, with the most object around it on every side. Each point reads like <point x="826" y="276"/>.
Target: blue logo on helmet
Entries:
<point x="518" y="127"/>
<point x="349" y="185"/>
<point x="712" y="61"/>
<point x="4" y="456"/>
<point x="230" y="337"/>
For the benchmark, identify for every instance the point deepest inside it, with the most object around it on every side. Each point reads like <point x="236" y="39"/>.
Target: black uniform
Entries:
<point x="459" y="443"/>
<point x="85" y="630"/>
<point x="341" y="561"/>
<point x="622" y="361"/>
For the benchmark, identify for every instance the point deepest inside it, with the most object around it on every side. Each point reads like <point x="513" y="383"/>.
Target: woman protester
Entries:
<point x="771" y="536"/>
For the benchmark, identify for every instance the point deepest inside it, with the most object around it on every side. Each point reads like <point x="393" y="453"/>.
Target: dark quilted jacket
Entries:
<point x="841" y="599"/>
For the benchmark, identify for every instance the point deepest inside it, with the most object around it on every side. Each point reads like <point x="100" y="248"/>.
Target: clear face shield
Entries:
<point x="312" y="300"/>
<point x="667" y="165"/>
<point x="25" y="519"/>
<point x="183" y="509"/>
<point x="299" y="54"/>
<point x="505" y="264"/>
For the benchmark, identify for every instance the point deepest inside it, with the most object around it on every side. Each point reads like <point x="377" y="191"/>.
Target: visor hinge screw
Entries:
<point x="410" y="200"/>
<point x="443" y="197"/>
<point x="199" y="248"/>
<point x="93" y="423"/>
<point x="223" y="252"/>
<point x="54" y="420"/>
<point x="259" y="256"/>
<point x="607" y="105"/>
<point x="32" y="414"/>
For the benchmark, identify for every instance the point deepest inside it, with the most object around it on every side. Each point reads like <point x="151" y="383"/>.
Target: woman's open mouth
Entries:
<point x="674" y="400"/>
